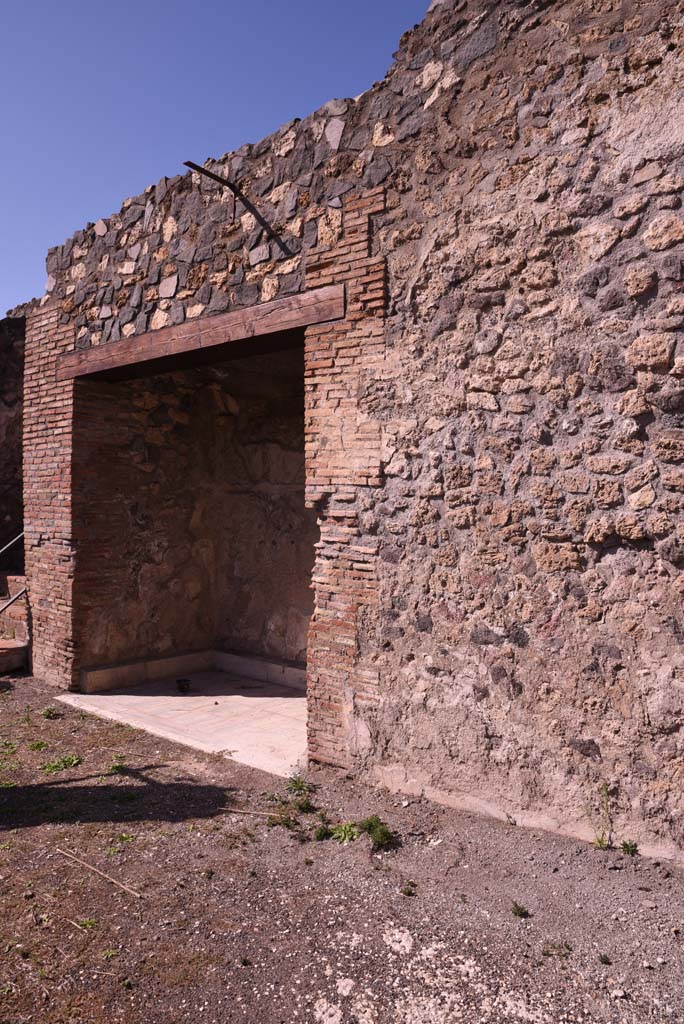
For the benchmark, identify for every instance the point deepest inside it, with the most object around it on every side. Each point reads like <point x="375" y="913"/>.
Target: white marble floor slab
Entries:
<point x="259" y="724"/>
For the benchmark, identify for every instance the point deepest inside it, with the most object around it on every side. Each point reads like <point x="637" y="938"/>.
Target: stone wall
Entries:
<point x="494" y="433"/>
<point x="531" y="520"/>
<point x="11" y="390"/>
<point x="185" y="249"/>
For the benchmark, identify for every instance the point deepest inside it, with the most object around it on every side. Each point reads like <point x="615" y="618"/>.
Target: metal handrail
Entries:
<point x="11" y="543"/>
<point x="13" y="599"/>
<point x="25" y="589"/>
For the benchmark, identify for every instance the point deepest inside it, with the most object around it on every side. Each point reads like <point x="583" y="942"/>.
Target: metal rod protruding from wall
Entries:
<point x="249" y="206"/>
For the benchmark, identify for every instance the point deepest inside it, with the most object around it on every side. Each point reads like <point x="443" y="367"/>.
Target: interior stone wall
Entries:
<point x="145" y="555"/>
<point x="11" y="394"/>
<point x="189" y="517"/>
<point x="265" y="536"/>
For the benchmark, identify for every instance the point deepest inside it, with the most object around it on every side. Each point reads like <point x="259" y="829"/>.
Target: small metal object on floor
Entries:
<point x="262" y="724"/>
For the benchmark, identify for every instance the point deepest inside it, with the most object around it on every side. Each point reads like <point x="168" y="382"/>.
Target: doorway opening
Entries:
<point x="194" y="548"/>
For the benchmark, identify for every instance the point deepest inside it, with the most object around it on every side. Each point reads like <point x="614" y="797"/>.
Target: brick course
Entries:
<point x="343" y="460"/>
<point x="48" y="412"/>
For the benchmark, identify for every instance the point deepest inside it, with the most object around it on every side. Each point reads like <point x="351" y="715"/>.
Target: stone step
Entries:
<point x="13" y="655"/>
<point x="13" y="621"/>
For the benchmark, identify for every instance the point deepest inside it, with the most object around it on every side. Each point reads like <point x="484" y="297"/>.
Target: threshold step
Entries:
<point x="13" y="655"/>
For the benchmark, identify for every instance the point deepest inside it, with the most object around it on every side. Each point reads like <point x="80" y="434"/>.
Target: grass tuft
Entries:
<point x="380" y="833"/>
<point x="61" y="764"/>
<point x="51" y="713"/>
<point x="346" y="832"/>
<point x="298" y="786"/>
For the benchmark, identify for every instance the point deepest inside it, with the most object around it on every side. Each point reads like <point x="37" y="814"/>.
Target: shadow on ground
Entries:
<point x="132" y="795"/>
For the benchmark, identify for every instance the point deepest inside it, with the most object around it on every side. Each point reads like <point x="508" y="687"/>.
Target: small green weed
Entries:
<point x="61" y="764"/>
<point x="518" y="910"/>
<point x="323" y="832"/>
<point x="409" y="889"/>
<point x="118" y="766"/>
<point x="298" y="785"/>
<point x="87" y="923"/>
<point x="8" y="748"/>
<point x="109" y="954"/>
<point x="38" y="745"/>
<point x="629" y="847"/>
<point x="51" y="713"/>
<point x="304" y="805"/>
<point x="125" y="837"/>
<point x="380" y="833"/>
<point x="604" y="816"/>
<point x="604" y="959"/>
<point x="346" y="832"/>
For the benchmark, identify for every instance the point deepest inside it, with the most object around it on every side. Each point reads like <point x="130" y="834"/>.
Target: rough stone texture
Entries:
<point x="529" y="634"/>
<point x="190" y="528"/>
<point x="11" y="389"/>
<point x="494" y="433"/>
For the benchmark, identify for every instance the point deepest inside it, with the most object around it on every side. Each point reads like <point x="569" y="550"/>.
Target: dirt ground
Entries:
<point x="245" y="918"/>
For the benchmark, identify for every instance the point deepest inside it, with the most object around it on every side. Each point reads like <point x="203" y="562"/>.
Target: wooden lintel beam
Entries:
<point x="310" y="307"/>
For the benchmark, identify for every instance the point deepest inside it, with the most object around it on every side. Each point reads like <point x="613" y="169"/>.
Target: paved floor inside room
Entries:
<point x="256" y="723"/>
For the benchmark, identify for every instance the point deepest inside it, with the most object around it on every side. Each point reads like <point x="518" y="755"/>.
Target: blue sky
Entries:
<point x="100" y="99"/>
